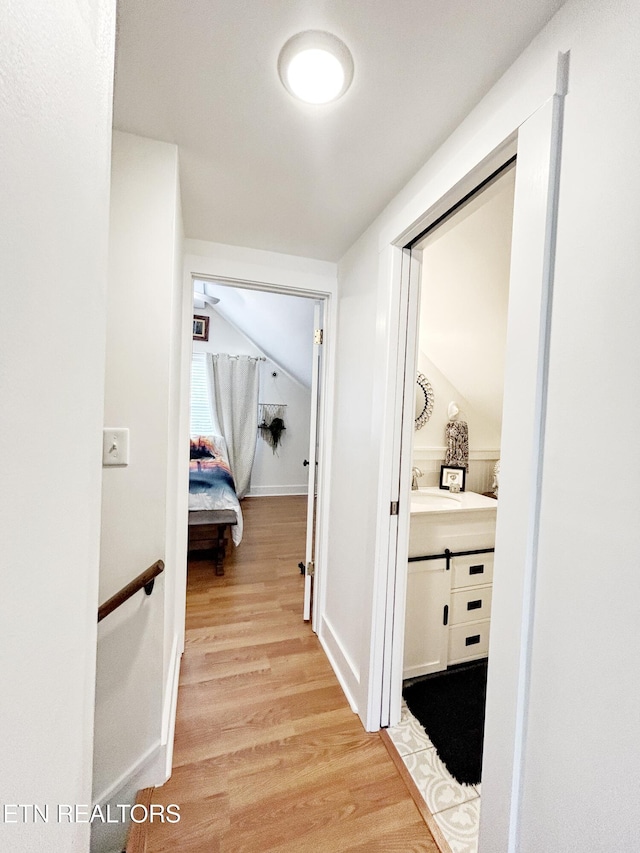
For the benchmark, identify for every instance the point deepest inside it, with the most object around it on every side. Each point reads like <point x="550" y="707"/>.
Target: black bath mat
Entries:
<point x="450" y="706"/>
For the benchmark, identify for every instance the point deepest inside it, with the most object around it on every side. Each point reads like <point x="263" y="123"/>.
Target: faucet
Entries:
<point x="415" y="473"/>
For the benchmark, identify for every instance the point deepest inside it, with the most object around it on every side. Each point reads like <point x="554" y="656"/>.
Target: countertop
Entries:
<point x="432" y="499"/>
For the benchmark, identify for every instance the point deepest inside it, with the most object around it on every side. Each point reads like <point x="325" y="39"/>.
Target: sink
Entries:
<point x="431" y="500"/>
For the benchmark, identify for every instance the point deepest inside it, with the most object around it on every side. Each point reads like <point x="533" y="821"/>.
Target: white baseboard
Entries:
<point x="136" y="773"/>
<point x="345" y="672"/>
<point x="267" y="491"/>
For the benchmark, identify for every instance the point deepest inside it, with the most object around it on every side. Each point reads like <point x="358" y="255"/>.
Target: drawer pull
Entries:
<point x="472" y="641"/>
<point x="474" y="605"/>
<point x="477" y="570"/>
<point x="445" y="615"/>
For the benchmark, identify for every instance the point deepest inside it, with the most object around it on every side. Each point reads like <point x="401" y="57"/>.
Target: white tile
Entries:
<point x="408" y="736"/>
<point x="438" y="787"/>
<point x="460" y="826"/>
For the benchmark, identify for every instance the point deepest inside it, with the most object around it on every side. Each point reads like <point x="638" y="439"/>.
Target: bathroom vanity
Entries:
<point x="449" y="581"/>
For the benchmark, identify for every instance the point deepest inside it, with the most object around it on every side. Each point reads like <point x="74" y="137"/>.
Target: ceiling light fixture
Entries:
<point x="315" y="67"/>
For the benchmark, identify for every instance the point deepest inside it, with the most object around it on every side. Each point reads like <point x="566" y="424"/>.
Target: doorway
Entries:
<point x="284" y="330"/>
<point x="537" y="136"/>
<point x="460" y="342"/>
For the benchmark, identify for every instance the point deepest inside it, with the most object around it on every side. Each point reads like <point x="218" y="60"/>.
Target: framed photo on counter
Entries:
<point x="452" y="478"/>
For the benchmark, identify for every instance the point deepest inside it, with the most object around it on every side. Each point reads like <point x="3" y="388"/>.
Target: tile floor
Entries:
<point x="455" y="807"/>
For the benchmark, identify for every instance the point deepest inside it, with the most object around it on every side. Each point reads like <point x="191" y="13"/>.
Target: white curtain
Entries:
<point x="234" y="381"/>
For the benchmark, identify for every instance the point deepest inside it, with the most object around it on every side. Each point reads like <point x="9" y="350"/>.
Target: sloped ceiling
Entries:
<point x="280" y="326"/>
<point x="465" y="297"/>
<point x="257" y="168"/>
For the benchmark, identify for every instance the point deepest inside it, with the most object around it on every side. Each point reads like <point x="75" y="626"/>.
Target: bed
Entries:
<point x="214" y="508"/>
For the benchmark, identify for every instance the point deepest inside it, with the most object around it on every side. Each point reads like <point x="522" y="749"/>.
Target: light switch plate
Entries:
<point x="115" y="446"/>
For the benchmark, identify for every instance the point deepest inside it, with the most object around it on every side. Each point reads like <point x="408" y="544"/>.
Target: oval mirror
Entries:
<point x="424" y="401"/>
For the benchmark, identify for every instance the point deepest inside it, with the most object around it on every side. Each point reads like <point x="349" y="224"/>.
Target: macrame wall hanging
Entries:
<point x="271" y="423"/>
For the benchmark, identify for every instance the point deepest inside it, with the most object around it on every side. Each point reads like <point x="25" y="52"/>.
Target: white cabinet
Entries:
<point x="426" y="642"/>
<point x="471" y="577"/>
<point x="468" y="641"/>
<point x="448" y="614"/>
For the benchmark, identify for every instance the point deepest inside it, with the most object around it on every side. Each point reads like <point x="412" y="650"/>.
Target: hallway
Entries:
<point x="268" y="755"/>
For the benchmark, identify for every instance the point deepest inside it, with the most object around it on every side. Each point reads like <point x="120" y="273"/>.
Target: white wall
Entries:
<point x="581" y="710"/>
<point x="56" y="70"/>
<point x="143" y="511"/>
<point x="288" y="272"/>
<point x="583" y="725"/>
<point x="464" y="299"/>
<point x="280" y="473"/>
<point x="429" y="446"/>
<point x="353" y="481"/>
<point x="463" y="328"/>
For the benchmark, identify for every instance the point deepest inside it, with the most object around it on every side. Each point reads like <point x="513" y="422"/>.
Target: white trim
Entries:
<point x="125" y="779"/>
<point x="388" y="359"/>
<point x="265" y="491"/>
<point x="545" y="126"/>
<point x="250" y="284"/>
<point x="170" y="706"/>
<point x="325" y="433"/>
<point x="340" y="662"/>
<point x="439" y="453"/>
<point x="315" y="437"/>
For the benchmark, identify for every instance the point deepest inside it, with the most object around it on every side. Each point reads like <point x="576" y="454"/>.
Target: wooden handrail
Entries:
<point x="145" y="581"/>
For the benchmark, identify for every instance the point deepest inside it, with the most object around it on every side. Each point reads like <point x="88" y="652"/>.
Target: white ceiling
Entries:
<point x="281" y="326"/>
<point x="259" y="169"/>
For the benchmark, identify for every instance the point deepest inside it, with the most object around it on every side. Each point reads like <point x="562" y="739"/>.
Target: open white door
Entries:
<point x="312" y="463"/>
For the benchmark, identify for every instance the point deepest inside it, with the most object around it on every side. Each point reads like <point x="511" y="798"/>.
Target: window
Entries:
<point x="201" y="419"/>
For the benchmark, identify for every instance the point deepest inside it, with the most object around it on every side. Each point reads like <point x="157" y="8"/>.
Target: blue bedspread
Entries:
<point x="211" y="484"/>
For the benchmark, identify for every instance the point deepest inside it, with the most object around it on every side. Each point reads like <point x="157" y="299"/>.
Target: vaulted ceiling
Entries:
<point x="281" y="326"/>
<point x="259" y="169"/>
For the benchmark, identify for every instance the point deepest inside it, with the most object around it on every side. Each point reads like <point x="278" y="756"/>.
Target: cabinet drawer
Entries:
<point x="474" y="570"/>
<point x="469" y="641"/>
<point x="470" y="605"/>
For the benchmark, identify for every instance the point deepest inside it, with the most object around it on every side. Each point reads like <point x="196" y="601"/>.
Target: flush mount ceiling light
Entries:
<point x="315" y="67"/>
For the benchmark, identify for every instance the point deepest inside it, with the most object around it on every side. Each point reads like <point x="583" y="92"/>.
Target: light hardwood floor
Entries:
<point x="268" y="755"/>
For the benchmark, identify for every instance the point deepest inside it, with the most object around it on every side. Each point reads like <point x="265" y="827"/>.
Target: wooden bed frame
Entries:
<point x="208" y="532"/>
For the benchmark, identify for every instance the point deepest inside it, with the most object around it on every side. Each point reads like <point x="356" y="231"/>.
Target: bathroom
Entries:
<point x="464" y="294"/>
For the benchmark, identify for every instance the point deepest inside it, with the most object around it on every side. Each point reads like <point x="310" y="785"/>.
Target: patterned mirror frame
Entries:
<point x="427" y="390"/>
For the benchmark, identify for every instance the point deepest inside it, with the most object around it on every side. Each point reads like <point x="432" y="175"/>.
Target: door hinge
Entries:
<point x="311" y="569"/>
<point x="394" y="508"/>
<point x="318" y="336"/>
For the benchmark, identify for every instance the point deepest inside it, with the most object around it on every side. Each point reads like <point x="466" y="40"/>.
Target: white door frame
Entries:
<point x="538" y="137"/>
<point x="325" y="408"/>
<point x="315" y="437"/>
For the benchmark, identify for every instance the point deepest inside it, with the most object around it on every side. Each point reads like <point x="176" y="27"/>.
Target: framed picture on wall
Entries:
<point x="200" y="328"/>
<point x="452" y="477"/>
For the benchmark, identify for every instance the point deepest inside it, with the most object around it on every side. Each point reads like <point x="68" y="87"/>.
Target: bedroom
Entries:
<point x="251" y="393"/>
